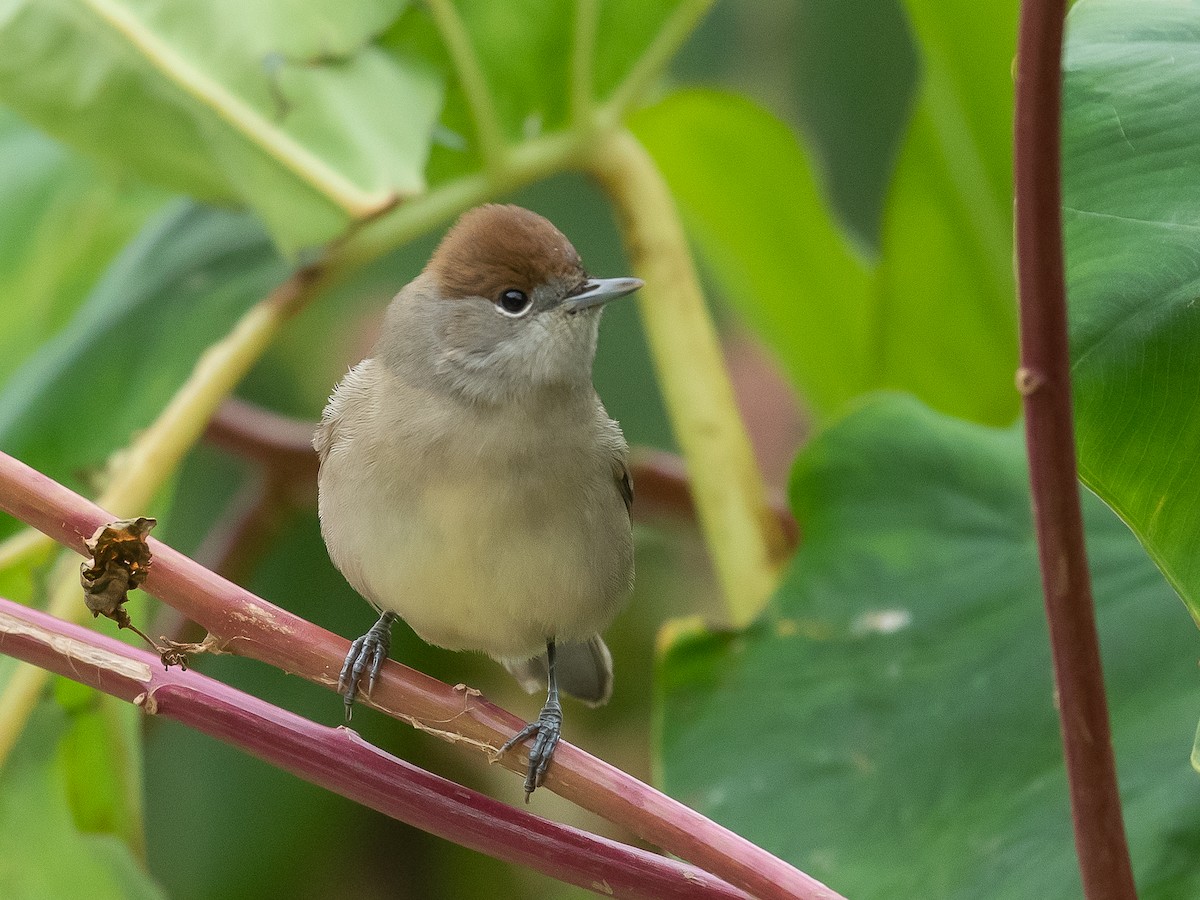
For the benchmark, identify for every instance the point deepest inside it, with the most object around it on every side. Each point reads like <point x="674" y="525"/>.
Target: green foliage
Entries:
<point x="1132" y="213"/>
<point x="755" y="209"/>
<point x="935" y="313"/>
<point x="889" y="726"/>
<point x="295" y="111"/>
<point x="61" y="221"/>
<point x="100" y="755"/>
<point x="174" y="291"/>
<point x="41" y="852"/>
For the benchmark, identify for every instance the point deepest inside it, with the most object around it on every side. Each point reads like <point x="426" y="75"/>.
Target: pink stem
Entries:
<point x="340" y="761"/>
<point x="250" y="626"/>
<point x="1045" y="383"/>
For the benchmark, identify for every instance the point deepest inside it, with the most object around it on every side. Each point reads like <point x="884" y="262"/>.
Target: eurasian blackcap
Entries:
<point x="471" y="480"/>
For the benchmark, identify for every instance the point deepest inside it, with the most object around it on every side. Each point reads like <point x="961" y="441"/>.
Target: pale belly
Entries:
<point x="498" y="563"/>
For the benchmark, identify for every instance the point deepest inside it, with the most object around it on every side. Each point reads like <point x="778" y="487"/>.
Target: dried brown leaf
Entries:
<point x="120" y="563"/>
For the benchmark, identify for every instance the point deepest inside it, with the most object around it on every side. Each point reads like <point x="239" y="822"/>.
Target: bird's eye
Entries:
<point x="513" y="302"/>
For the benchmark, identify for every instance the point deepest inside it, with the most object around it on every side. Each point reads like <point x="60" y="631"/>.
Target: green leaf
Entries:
<point x="100" y="758"/>
<point x="967" y="53"/>
<point x="625" y="30"/>
<point x="289" y="107"/>
<point x="945" y="305"/>
<point x="529" y="87"/>
<point x="531" y="90"/>
<point x="853" y="116"/>
<point x="889" y="726"/>
<point x="42" y="854"/>
<point x="1131" y="212"/>
<point x="934" y="316"/>
<point x="61" y="221"/>
<point x="176" y="289"/>
<point x="944" y="318"/>
<point x="751" y="201"/>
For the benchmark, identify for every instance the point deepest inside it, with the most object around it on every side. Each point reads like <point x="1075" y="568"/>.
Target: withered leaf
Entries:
<point x="120" y="563"/>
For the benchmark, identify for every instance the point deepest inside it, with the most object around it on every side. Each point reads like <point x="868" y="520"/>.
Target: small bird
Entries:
<point x="471" y="481"/>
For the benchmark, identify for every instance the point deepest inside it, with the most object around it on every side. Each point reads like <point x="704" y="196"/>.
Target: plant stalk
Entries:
<point x="250" y="626"/>
<point x="743" y="535"/>
<point x="341" y="761"/>
<point x="1045" y="383"/>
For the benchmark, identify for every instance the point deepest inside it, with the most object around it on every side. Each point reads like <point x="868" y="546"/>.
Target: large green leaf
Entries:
<point x="889" y="725"/>
<point x="1131" y="197"/>
<point x="750" y="199"/>
<point x="174" y="291"/>
<point x="853" y="116"/>
<point x="945" y="311"/>
<point x="934" y="316"/>
<point x="287" y="106"/>
<point x="61" y="221"/>
<point x="43" y="856"/>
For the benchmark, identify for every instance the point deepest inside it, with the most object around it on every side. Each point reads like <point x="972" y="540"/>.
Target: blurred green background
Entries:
<point x="222" y="825"/>
<point x="888" y="723"/>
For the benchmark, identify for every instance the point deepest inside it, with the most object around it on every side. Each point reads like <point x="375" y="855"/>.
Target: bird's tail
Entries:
<point x="584" y="670"/>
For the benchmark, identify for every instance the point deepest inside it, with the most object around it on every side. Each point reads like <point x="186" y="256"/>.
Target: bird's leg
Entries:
<point x="366" y="656"/>
<point x="548" y="729"/>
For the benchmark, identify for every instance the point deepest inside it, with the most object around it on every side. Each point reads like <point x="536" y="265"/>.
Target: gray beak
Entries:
<point x="598" y="291"/>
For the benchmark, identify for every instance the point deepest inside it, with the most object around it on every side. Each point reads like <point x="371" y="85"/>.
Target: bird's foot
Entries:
<point x="548" y="729"/>
<point x="366" y="656"/>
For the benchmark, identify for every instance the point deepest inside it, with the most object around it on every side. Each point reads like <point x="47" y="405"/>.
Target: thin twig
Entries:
<point x="1045" y="383"/>
<point x="250" y="626"/>
<point x="341" y="761"/>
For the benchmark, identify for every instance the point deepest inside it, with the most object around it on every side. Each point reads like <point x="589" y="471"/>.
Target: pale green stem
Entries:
<point x="583" y="59"/>
<point x="681" y="23"/>
<point x="743" y="536"/>
<point x="474" y="83"/>
<point x="22" y="548"/>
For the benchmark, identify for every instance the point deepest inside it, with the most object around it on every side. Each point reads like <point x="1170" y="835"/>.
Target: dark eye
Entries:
<point x="513" y="302"/>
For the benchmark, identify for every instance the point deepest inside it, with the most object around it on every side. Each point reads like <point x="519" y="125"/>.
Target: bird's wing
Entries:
<point x="613" y="440"/>
<point x="625" y="484"/>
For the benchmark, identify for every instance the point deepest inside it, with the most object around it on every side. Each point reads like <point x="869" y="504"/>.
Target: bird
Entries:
<point x="471" y="481"/>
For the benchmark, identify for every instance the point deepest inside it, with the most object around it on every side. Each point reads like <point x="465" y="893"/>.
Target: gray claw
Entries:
<point x="366" y="656"/>
<point x="548" y="729"/>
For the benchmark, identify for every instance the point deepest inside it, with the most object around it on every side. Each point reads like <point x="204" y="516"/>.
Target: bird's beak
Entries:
<point x="598" y="291"/>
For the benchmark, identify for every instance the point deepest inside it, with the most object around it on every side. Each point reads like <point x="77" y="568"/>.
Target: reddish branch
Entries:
<point x="1046" y="385"/>
<point x="247" y="625"/>
<point x="283" y="447"/>
<point x="339" y="760"/>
